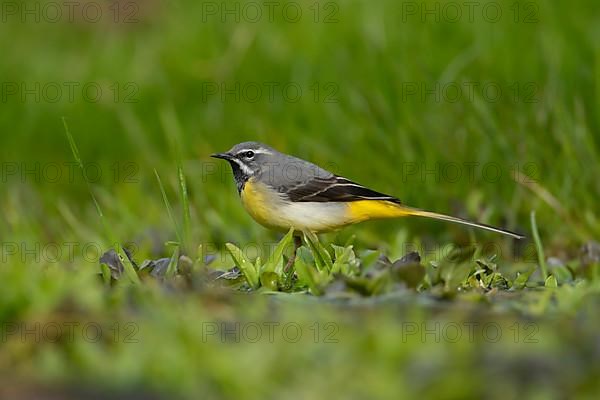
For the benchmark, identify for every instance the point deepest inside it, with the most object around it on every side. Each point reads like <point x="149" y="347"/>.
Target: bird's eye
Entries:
<point x="249" y="154"/>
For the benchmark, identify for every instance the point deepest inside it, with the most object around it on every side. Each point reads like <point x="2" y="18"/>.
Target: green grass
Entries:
<point x="362" y="309"/>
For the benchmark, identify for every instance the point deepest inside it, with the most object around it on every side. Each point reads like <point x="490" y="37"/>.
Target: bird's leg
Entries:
<point x="297" y="244"/>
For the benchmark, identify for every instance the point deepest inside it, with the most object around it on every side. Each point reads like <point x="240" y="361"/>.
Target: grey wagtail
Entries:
<point x="281" y="191"/>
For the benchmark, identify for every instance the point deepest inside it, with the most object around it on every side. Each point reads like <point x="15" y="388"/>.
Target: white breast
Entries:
<point x="314" y="216"/>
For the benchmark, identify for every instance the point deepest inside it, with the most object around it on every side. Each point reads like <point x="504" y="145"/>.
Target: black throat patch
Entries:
<point x="240" y="177"/>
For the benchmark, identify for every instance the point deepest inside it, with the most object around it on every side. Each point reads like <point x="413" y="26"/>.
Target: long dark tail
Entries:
<point x="429" y="214"/>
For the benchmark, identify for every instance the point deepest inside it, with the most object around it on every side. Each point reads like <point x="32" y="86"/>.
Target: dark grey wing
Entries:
<point x="334" y="188"/>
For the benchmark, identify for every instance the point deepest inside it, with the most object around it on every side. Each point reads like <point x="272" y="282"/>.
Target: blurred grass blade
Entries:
<point x="172" y="267"/>
<point x="538" y="246"/>
<point x="173" y="134"/>
<point x="105" y="274"/>
<point x="186" y="205"/>
<point x="127" y="265"/>
<point x="168" y="206"/>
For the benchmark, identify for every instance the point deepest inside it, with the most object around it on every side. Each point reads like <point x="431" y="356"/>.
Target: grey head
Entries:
<point x="262" y="162"/>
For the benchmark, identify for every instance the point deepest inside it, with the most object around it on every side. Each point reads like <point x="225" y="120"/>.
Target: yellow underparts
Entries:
<point x="258" y="202"/>
<point x="363" y="210"/>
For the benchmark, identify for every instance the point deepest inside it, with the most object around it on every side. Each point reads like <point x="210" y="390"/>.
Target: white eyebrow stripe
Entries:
<point x="255" y="151"/>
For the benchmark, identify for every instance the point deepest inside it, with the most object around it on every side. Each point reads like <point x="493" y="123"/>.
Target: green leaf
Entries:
<point x="368" y="259"/>
<point x="247" y="268"/>
<point x="269" y="280"/>
<point x="343" y="257"/>
<point x="307" y="275"/>
<point x="498" y="281"/>
<point x="321" y="255"/>
<point x="257" y="263"/>
<point x="379" y="284"/>
<point x="361" y="285"/>
<point x="551" y="282"/>
<point x="456" y="267"/>
<point x="274" y="263"/>
<point x="350" y="241"/>
<point x="522" y="279"/>
<point x="172" y="267"/>
<point x="411" y="273"/>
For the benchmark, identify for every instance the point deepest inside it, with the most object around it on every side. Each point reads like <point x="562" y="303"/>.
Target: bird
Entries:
<point x="282" y="192"/>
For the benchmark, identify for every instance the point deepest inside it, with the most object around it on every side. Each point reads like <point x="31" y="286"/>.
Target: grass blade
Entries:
<point x="186" y="204"/>
<point x="538" y="246"/>
<point x="173" y="134"/>
<point x="168" y="206"/>
<point x="172" y="267"/>
<point x="128" y="266"/>
<point x="321" y="255"/>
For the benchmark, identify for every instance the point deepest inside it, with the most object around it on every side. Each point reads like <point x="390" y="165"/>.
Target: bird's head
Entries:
<point x="248" y="159"/>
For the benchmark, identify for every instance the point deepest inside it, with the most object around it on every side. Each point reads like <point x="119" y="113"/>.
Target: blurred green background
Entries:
<point x="485" y="111"/>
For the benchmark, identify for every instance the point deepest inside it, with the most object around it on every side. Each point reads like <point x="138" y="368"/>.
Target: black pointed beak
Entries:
<point x="224" y="156"/>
